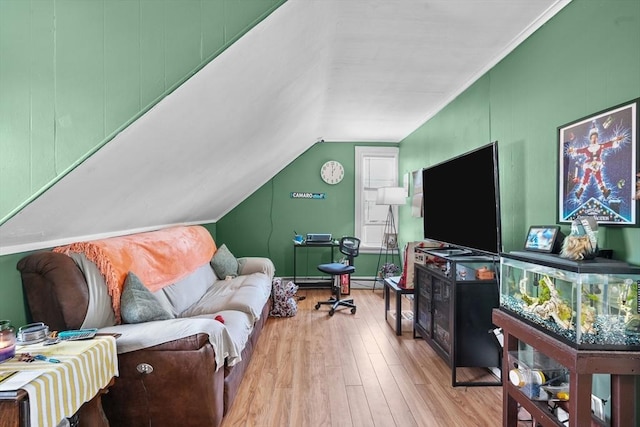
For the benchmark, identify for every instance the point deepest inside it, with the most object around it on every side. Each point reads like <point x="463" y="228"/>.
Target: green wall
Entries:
<point x="264" y="223"/>
<point x="74" y="73"/>
<point x="548" y="81"/>
<point x="584" y="60"/>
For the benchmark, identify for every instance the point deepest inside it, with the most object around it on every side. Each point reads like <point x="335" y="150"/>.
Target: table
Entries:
<point x="309" y="284"/>
<point x="623" y="366"/>
<point x="86" y="369"/>
<point x="389" y="284"/>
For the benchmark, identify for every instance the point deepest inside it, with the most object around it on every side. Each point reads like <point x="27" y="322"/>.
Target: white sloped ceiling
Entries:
<point x="341" y="70"/>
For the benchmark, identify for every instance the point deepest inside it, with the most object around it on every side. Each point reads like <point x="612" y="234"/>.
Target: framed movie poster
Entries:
<point x="598" y="158"/>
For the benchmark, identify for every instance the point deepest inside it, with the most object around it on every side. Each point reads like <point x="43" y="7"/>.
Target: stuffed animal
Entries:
<point x="284" y="301"/>
<point x="582" y="243"/>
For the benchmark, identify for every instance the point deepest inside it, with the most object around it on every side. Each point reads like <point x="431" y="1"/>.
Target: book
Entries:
<point x="5" y="375"/>
<point x="10" y="385"/>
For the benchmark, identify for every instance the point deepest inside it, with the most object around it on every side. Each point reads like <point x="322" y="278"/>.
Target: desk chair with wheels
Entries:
<point x="349" y="246"/>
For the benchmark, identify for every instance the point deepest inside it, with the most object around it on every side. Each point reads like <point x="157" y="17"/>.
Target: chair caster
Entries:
<point x="317" y="306"/>
<point x="331" y="312"/>
<point x="353" y="310"/>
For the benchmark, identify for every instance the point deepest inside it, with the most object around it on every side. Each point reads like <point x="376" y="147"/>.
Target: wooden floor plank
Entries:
<point x="398" y="407"/>
<point x="360" y="410"/>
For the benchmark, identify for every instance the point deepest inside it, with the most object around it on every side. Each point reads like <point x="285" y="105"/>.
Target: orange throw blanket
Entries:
<point x="158" y="258"/>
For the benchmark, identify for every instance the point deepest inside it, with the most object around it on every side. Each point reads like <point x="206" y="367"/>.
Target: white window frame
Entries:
<point x="370" y="218"/>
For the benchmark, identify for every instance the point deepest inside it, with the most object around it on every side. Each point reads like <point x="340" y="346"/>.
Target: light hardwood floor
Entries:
<point x="352" y="370"/>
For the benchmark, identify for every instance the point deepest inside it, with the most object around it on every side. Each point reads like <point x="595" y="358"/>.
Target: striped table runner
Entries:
<point x="85" y="368"/>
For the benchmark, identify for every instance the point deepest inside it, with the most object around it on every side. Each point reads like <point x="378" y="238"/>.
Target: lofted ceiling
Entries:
<point x="338" y="70"/>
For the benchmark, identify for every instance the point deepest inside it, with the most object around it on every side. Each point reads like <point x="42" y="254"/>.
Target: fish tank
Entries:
<point x="588" y="304"/>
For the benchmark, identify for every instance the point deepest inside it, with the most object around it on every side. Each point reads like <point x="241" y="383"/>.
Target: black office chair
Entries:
<point x="349" y="246"/>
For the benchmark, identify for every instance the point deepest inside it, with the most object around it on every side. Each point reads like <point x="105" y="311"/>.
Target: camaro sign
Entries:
<point x="297" y="195"/>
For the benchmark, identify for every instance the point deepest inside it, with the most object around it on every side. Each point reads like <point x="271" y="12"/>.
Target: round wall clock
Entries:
<point x="332" y="172"/>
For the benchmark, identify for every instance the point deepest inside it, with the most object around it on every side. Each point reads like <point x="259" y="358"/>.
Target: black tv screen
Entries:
<point x="461" y="201"/>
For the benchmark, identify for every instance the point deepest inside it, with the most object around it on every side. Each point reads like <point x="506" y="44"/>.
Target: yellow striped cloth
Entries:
<point x="85" y="368"/>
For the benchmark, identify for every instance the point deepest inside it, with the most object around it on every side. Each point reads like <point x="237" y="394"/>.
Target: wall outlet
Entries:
<point x="597" y="406"/>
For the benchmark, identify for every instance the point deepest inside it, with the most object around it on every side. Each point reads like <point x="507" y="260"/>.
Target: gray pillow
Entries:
<point x="224" y="263"/>
<point x="137" y="303"/>
<point x="186" y="292"/>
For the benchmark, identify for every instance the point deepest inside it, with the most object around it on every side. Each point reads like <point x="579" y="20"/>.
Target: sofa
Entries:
<point x="187" y="316"/>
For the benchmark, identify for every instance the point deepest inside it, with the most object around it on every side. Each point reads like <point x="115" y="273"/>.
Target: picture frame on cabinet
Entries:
<point x="543" y="238"/>
<point x="597" y="163"/>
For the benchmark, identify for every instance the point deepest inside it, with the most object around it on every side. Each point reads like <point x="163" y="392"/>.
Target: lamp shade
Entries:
<point x="391" y="196"/>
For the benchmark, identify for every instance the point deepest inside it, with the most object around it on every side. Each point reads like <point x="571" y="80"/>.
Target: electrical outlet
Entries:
<point x="597" y="406"/>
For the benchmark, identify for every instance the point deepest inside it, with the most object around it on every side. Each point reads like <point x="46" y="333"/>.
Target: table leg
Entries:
<point x="91" y="414"/>
<point x="295" y="251"/>
<point x="623" y="400"/>
<point x="386" y="301"/>
<point x="398" y="313"/>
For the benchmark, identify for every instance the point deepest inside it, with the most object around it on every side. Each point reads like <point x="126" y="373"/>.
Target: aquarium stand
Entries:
<point x="581" y="364"/>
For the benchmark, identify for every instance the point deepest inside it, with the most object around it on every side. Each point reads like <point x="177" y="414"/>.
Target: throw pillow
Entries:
<point x="224" y="263"/>
<point x="137" y="303"/>
<point x="186" y="292"/>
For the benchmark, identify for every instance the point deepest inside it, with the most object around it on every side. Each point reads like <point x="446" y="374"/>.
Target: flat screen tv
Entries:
<point x="461" y="201"/>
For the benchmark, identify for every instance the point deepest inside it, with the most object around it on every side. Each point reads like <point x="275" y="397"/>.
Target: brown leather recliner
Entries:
<point x="176" y="383"/>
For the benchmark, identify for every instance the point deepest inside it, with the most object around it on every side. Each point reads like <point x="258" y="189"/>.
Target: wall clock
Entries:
<point x="332" y="172"/>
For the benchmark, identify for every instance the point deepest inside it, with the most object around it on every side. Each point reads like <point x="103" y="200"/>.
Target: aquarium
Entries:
<point x="590" y="304"/>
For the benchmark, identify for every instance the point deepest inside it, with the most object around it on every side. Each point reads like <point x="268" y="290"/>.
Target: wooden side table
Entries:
<point x="389" y="284"/>
<point x="46" y="400"/>
<point x="623" y="366"/>
<point x="14" y="411"/>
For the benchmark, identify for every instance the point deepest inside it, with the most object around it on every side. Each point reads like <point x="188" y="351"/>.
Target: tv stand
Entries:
<point x="452" y="310"/>
<point x="457" y="251"/>
<point x="452" y="251"/>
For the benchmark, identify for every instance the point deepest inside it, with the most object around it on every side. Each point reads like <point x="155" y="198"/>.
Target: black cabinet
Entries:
<point x="452" y="310"/>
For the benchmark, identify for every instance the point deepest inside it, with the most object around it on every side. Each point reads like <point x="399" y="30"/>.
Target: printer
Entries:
<point x="319" y="237"/>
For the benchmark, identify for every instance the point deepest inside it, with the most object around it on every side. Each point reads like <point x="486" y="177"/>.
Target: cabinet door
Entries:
<point x="441" y="313"/>
<point x="475" y="344"/>
<point x="423" y="302"/>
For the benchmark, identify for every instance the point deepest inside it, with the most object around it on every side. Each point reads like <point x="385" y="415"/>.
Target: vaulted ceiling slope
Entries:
<point x="341" y="70"/>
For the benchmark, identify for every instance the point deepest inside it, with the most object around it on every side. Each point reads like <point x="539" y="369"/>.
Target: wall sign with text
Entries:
<point x="302" y="195"/>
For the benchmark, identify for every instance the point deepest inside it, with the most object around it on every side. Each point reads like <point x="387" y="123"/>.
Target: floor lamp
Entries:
<point x="391" y="196"/>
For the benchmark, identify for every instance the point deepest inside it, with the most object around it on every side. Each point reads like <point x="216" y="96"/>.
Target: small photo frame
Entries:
<point x="543" y="238"/>
<point x="390" y="240"/>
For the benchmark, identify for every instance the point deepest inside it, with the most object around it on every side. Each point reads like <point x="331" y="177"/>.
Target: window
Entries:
<point x="375" y="167"/>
